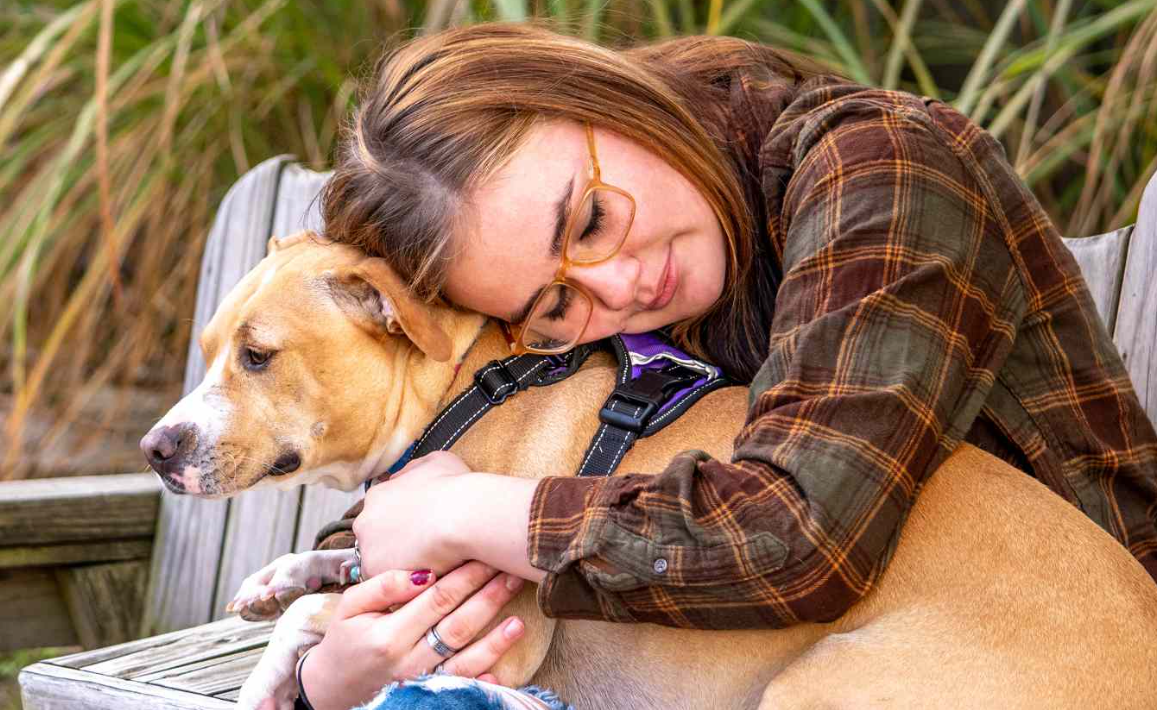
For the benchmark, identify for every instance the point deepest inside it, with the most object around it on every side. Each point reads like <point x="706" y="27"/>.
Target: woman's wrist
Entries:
<point x="496" y="532"/>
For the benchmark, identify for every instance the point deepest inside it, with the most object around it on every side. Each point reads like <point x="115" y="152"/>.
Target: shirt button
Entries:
<point x="660" y="566"/>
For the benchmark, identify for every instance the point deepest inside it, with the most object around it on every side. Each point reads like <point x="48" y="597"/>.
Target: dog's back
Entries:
<point x="986" y="602"/>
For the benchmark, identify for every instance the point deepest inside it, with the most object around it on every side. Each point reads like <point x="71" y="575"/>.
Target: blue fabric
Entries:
<point x="443" y="692"/>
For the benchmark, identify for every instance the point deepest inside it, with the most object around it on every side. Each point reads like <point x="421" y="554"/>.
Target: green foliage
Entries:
<point x="10" y="665"/>
<point x="106" y="194"/>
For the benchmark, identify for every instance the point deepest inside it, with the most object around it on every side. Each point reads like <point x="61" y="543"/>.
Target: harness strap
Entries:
<point x="493" y="385"/>
<point x="655" y="384"/>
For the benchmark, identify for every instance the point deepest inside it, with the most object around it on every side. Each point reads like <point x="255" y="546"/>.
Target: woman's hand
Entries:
<point x="436" y="513"/>
<point x="366" y="648"/>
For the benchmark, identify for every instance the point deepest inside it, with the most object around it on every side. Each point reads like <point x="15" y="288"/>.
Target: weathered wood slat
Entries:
<point x="75" y="553"/>
<point x="83" y="508"/>
<point x="1102" y="261"/>
<point x="105" y="600"/>
<point x="260" y="528"/>
<point x="190" y="535"/>
<point x="230" y="695"/>
<point x="213" y="676"/>
<point x="320" y="506"/>
<point x="1136" y="332"/>
<point x="186" y="652"/>
<point x="45" y="686"/>
<point x="32" y="612"/>
<point x="127" y="659"/>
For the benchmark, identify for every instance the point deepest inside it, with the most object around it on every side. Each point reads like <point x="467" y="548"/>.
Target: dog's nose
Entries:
<point x="165" y="446"/>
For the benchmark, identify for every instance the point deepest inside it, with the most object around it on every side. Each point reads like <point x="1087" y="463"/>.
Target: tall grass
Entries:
<point x="123" y="122"/>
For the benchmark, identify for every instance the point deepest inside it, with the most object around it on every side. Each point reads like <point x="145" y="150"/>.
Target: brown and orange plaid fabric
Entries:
<point x="926" y="299"/>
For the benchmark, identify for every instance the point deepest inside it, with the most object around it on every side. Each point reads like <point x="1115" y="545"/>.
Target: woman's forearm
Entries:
<point x="496" y="532"/>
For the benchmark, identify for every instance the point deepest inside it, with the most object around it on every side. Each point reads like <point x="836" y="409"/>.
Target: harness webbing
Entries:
<point x="655" y="384"/>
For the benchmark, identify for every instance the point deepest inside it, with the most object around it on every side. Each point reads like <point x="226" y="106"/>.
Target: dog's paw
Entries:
<point x="273" y="683"/>
<point x="268" y="593"/>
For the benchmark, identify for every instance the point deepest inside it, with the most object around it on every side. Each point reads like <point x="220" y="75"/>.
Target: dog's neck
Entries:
<point x="488" y="343"/>
<point x="475" y="340"/>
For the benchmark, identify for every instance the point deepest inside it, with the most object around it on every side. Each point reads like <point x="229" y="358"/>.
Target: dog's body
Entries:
<point x="999" y="593"/>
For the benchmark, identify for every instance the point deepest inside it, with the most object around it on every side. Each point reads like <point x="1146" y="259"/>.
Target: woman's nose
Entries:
<point x="613" y="282"/>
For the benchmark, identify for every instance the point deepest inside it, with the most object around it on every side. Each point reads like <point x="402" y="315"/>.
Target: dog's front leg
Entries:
<point x="272" y="685"/>
<point x="267" y="593"/>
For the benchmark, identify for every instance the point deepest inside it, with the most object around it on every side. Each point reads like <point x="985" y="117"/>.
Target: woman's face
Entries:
<point x="671" y="267"/>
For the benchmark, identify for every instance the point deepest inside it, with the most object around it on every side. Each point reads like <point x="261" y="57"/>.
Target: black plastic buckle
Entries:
<point x="647" y="393"/>
<point x="495" y="382"/>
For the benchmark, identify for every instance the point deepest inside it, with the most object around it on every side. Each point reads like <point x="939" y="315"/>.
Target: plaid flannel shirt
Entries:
<point x="925" y="299"/>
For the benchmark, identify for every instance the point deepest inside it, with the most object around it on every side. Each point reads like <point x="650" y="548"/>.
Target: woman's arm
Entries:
<point x="436" y="513"/>
<point x="899" y="304"/>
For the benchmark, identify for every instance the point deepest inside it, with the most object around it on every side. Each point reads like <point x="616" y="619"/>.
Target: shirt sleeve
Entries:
<point x="899" y="302"/>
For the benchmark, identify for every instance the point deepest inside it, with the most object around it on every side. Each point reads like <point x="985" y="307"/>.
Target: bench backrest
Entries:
<point x="204" y="549"/>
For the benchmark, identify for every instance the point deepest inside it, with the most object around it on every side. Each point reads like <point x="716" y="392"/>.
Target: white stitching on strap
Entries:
<point x="462" y="398"/>
<point x="595" y="445"/>
<point x="468" y="422"/>
<point x="671" y="411"/>
<point x="625" y="439"/>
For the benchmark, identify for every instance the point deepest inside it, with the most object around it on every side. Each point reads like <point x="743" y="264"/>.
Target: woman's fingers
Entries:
<point x="465" y="623"/>
<point x="439" y="600"/>
<point x="379" y="593"/>
<point x="480" y="656"/>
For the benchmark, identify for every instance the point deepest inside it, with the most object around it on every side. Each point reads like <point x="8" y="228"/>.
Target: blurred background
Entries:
<point x="124" y="122"/>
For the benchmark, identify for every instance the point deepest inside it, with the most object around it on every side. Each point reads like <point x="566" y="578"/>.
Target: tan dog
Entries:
<point x="999" y="595"/>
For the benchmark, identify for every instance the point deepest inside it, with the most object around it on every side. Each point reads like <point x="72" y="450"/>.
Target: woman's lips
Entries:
<point x="667" y="284"/>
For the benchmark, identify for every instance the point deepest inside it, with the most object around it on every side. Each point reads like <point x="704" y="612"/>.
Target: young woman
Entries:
<point x="866" y="259"/>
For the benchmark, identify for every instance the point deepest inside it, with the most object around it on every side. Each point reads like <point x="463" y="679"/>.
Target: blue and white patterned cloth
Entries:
<point x="448" y="692"/>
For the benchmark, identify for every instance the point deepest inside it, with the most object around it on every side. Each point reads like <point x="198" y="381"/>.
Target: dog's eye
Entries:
<point x="255" y="359"/>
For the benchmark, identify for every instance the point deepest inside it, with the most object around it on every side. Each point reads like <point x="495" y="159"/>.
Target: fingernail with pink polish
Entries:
<point x="420" y="577"/>
<point x="513" y="628"/>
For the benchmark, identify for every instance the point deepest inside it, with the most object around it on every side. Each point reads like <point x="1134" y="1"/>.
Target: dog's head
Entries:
<point x="320" y="369"/>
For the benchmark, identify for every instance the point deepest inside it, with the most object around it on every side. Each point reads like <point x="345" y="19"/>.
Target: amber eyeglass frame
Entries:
<point x="516" y="332"/>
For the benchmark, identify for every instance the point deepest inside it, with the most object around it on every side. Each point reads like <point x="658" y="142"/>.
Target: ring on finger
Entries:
<point x="440" y="668"/>
<point x="440" y="647"/>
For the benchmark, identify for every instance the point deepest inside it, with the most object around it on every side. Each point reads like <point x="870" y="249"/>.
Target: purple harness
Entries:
<point x="656" y="382"/>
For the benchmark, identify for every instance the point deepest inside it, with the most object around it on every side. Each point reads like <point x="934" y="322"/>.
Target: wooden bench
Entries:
<point x="204" y="549"/>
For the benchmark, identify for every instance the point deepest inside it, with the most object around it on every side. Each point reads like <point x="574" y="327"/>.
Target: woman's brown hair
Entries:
<point x="443" y="113"/>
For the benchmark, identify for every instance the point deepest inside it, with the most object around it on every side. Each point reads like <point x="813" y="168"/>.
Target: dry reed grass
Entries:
<point x="123" y="122"/>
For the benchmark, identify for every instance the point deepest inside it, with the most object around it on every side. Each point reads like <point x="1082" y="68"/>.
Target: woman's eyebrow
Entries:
<point x="561" y="216"/>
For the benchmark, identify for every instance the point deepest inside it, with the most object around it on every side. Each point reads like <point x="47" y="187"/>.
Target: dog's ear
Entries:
<point x="373" y="295"/>
<point x="279" y="243"/>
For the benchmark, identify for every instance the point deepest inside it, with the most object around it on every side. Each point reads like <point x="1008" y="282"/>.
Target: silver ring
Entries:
<point x="357" y="553"/>
<point x="440" y="668"/>
<point x="438" y="644"/>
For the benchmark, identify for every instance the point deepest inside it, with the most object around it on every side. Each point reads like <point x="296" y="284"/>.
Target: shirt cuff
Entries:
<point x="567" y="519"/>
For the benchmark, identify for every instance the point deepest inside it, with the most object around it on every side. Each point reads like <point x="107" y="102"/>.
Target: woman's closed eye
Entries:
<point x="560" y="308"/>
<point x="596" y="223"/>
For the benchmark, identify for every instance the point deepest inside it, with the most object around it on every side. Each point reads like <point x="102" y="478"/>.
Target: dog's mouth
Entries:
<point x="172" y="483"/>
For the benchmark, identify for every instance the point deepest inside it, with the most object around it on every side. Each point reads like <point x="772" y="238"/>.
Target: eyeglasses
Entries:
<point x="593" y="234"/>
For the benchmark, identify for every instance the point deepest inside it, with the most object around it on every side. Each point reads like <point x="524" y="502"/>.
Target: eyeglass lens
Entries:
<point x="599" y="229"/>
